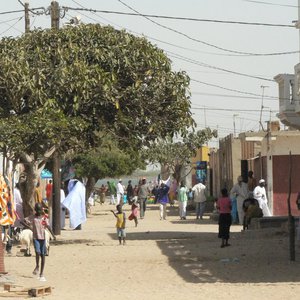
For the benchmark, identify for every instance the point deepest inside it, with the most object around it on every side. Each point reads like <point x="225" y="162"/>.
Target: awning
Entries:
<point x="46" y="174"/>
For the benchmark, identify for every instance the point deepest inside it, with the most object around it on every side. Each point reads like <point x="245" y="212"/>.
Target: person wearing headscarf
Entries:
<point x="260" y="195"/>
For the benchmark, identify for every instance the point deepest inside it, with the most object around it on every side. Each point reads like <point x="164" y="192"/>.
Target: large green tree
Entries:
<point x="106" y="161"/>
<point x="174" y="155"/>
<point x="66" y="89"/>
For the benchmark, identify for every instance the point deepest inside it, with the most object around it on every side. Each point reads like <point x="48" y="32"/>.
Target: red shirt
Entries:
<point x="49" y="190"/>
<point x="224" y="205"/>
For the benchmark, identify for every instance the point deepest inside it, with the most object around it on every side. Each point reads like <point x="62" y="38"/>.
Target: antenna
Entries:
<point x="262" y="106"/>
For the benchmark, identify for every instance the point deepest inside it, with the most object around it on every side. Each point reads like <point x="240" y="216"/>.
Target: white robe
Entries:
<point x="260" y="195"/>
<point x="18" y="207"/>
<point x="75" y="203"/>
<point x="240" y="191"/>
<point x="63" y="209"/>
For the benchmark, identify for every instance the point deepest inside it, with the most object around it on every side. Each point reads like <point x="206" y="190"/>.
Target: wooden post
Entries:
<point x="56" y="226"/>
<point x="55" y="15"/>
<point x="27" y="19"/>
<point x="291" y="219"/>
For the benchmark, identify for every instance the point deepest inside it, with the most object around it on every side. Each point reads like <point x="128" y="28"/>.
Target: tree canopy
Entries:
<point x="174" y="155"/>
<point x="67" y="89"/>
<point x="85" y="80"/>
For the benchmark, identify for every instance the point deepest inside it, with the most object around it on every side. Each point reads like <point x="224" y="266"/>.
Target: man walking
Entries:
<point x="199" y="191"/>
<point x="143" y="193"/>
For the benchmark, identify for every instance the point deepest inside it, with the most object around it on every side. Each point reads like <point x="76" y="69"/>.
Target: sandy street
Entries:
<point x="170" y="259"/>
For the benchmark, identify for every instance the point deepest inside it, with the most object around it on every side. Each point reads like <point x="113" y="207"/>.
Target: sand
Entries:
<point x="171" y="259"/>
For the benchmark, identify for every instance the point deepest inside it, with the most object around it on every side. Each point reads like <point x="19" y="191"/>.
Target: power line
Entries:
<point x="256" y="96"/>
<point x="231" y="90"/>
<point x="12" y="26"/>
<point x="230" y="96"/>
<point x="137" y="14"/>
<point x="269" y="3"/>
<point x="214" y="67"/>
<point x="11" y="12"/>
<point x="227" y="109"/>
<point x="171" y="44"/>
<point x="6" y="22"/>
<point x="197" y="40"/>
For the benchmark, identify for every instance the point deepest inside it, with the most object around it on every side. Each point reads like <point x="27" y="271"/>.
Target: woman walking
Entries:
<point x="163" y="199"/>
<point x="182" y="198"/>
<point x="224" y="208"/>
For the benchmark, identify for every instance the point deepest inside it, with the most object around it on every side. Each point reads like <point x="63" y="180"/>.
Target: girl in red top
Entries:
<point x="224" y="208"/>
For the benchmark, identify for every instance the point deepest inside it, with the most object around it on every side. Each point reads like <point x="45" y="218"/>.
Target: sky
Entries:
<point x="226" y="85"/>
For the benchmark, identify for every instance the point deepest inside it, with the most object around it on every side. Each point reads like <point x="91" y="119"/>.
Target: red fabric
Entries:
<point x="224" y="205"/>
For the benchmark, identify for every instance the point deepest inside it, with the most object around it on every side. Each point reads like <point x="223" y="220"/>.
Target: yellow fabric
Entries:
<point x="37" y="195"/>
<point x="7" y="214"/>
<point x="120" y="220"/>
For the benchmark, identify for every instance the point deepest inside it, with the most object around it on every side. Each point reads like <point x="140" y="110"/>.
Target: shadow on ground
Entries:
<point x="198" y="258"/>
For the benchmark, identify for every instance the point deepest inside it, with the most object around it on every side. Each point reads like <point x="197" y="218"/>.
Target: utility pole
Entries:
<point x="234" y="132"/>
<point x="54" y="12"/>
<point x="27" y="19"/>
<point x="262" y="104"/>
<point x="56" y="206"/>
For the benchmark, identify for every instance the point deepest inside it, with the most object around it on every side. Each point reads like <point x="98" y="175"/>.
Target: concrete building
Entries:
<point x="273" y="164"/>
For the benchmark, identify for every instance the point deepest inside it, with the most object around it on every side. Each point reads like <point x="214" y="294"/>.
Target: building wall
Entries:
<point x="281" y="184"/>
<point x="214" y="167"/>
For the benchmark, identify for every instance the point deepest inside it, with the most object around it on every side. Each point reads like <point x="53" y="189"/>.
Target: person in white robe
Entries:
<point x="260" y="195"/>
<point x="120" y="191"/>
<point x="62" y="209"/>
<point x="75" y="203"/>
<point x="241" y="192"/>
<point x="18" y="206"/>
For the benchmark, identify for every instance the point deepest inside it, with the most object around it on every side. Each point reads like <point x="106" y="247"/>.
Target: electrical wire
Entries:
<point x="231" y="90"/>
<point x="6" y="22"/>
<point x="137" y="14"/>
<point x="203" y="42"/>
<point x="13" y="26"/>
<point x="171" y="44"/>
<point x="227" y="109"/>
<point x="269" y="3"/>
<point x="44" y="10"/>
<point x="11" y="12"/>
<point x="199" y="63"/>
<point x="257" y="96"/>
<point x="230" y="96"/>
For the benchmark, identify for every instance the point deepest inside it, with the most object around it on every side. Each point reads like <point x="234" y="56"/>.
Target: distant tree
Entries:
<point x="174" y="155"/>
<point x="100" y="163"/>
<point x="66" y="89"/>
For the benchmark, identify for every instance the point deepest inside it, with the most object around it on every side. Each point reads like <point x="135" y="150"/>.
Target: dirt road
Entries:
<point x="172" y="259"/>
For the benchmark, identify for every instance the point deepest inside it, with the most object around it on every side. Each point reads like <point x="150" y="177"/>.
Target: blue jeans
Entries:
<point x="200" y="208"/>
<point x="142" y="207"/>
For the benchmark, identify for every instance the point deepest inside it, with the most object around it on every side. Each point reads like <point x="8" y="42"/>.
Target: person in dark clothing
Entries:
<point x="252" y="210"/>
<point x="129" y="192"/>
<point x="155" y="193"/>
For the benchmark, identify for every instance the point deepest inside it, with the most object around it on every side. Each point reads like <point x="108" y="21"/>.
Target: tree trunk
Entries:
<point x="27" y="182"/>
<point x="90" y="184"/>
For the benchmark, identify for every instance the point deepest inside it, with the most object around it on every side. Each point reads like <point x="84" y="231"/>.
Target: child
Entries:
<point x="224" y="207"/>
<point x="134" y="213"/>
<point x="120" y="225"/>
<point x="38" y="224"/>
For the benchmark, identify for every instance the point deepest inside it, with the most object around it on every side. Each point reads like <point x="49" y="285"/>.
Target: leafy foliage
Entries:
<point x="105" y="163"/>
<point x="101" y="78"/>
<point x="176" y="154"/>
<point x="66" y="89"/>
